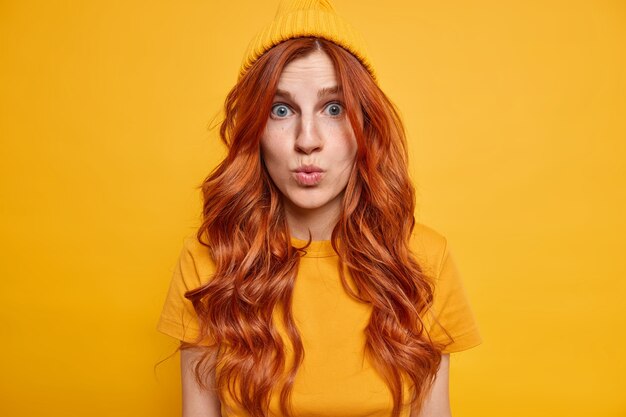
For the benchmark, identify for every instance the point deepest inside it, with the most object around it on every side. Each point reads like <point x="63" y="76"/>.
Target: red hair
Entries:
<point x="245" y="229"/>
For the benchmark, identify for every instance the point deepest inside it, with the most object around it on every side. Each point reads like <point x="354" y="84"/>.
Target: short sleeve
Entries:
<point x="193" y="269"/>
<point x="450" y="320"/>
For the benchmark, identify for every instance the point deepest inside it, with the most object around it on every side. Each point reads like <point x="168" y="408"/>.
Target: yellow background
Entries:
<point x="516" y="116"/>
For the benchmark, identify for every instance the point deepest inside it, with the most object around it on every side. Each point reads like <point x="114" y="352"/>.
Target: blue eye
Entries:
<point x="280" y="110"/>
<point x="335" y="109"/>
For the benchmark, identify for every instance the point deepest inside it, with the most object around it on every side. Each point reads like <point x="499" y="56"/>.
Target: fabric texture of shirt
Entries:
<point x="335" y="378"/>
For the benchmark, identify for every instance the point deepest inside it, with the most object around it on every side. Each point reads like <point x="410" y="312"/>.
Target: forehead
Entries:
<point x="315" y="69"/>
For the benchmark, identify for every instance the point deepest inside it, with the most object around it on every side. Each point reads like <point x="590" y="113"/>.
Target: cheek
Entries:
<point x="272" y="141"/>
<point x="267" y="145"/>
<point x="345" y="149"/>
<point x="271" y="156"/>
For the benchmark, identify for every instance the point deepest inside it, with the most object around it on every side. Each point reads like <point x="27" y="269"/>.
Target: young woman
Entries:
<point x="309" y="290"/>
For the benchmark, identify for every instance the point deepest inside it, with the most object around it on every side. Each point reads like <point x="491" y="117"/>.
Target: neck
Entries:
<point x="318" y="222"/>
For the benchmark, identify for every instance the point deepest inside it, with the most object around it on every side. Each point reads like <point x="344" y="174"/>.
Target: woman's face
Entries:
<point x="308" y="144"/>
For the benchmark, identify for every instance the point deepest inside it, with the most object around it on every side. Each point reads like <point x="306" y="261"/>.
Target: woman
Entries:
<point x="309" y="289"/>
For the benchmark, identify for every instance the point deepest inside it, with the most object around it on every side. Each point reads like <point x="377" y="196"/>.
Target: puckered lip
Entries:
<point x="308" y="169"/>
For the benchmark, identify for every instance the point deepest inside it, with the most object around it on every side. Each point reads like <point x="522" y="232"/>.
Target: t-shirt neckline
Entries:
<point x="317" y="248"/>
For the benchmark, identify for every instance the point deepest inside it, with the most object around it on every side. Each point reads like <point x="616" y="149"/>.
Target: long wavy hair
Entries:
<point x="245" y="229"/>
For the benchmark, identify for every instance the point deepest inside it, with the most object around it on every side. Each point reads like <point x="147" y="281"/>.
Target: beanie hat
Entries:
<point x="300" y="18"/>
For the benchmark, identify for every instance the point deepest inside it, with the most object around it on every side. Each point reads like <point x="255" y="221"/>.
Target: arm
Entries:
<point x="437" y="403"/>
<point x="196" y="401"/>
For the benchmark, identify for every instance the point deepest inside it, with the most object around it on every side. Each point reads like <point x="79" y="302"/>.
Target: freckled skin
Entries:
<point x="304" y="129"/>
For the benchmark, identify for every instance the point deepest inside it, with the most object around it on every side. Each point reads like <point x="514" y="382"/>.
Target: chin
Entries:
<point x="310" y="201"/>
<point x="308" y="204"/>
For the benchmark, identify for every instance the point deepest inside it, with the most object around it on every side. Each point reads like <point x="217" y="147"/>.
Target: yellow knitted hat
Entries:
<point x="299" y="18"/>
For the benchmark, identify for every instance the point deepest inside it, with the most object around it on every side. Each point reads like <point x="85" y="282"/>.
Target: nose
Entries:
<point x="308" y="139"/>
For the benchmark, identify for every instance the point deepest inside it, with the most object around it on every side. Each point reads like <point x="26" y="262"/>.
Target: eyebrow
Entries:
<point x="326" y="91"/>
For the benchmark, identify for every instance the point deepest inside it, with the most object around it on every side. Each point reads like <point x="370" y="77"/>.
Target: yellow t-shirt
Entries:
<point x="334" y="378"/>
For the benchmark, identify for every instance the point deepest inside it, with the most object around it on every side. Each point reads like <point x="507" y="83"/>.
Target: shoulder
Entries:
<point x="194" y="247"/>
<point x="426" y="238"/>
<point x="450" y="320"/>
<point x="196" y="261"/>
<point x="429" y="246"/>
